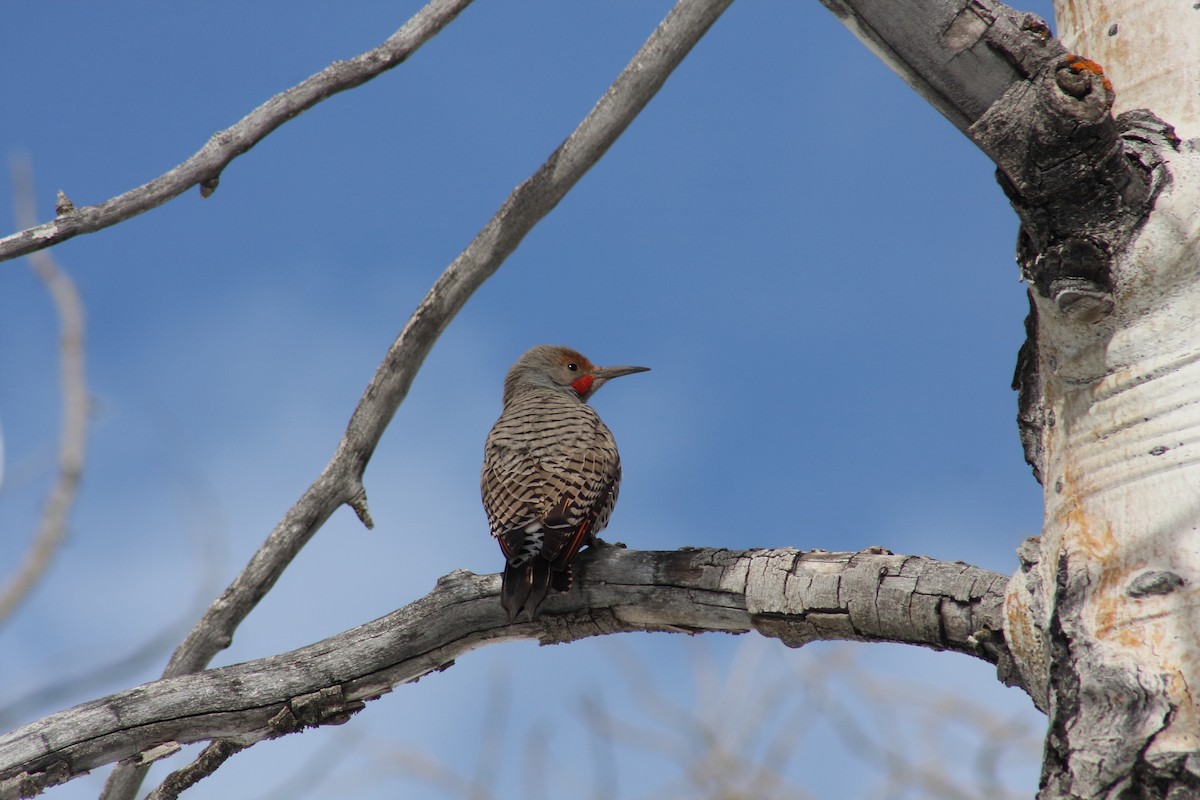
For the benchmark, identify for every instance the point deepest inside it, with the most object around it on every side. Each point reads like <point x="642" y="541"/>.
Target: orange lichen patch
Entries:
<point x="1079" y="64"/>
<point x="1036" y="26"/>
<point x="1108" y="609"/>
<point x="1183" y="735"/>
<point x="1156" y="635"/>
<point x="1100" y="544"/>
<point x="1026" y="641"/>
<point x="1132" y="623"/>
<point x="1095" y="539"/>
<point x="1021" y="627"/>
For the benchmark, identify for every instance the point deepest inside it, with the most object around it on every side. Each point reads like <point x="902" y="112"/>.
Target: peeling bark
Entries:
<point x="1101" y="623"/>
<point x="1102" y="617"/>
<point x="785" y="594"/>
<point x="341" y="482"/>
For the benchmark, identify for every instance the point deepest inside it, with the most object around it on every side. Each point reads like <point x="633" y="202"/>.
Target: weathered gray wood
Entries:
<point x="341" y="480"/>
<point x="962" y="57"/>
<point x="1078" y="179"/>
<point x="1107" y="378"/>
<point x="204" y="168"/>
<point x="793" y="596"/>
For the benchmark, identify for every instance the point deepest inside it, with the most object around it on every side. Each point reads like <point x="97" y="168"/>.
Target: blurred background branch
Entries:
<point x="75" y="405"/>
<point x="748" y="724"/>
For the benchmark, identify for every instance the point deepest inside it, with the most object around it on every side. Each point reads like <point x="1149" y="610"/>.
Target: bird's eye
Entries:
<point x="572" y="366"/>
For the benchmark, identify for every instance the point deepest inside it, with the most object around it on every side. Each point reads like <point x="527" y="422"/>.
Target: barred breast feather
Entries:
<point x="550" y="478"/>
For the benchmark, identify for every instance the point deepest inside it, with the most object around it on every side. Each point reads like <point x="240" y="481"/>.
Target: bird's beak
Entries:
<point x="607" y="373"/>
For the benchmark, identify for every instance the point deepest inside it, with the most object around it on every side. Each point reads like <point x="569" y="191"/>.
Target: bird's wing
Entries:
<point x="569" y="495"/>
<point x="582" y="507"/>
<point x="516" y="494"/>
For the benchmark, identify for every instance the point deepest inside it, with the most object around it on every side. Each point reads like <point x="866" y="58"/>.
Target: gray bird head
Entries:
<point x="562" y="370"/>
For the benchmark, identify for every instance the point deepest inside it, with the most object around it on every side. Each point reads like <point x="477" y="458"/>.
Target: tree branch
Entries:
<point x="1080" y="181"/>
<point x="205" y="167"/>
<point x="962" y="56"/>
<point x="208" y="762"/>
<point x="785" y="594"/>
<point x="72" y="446"/>
<point x="1106" y="377"/>
<point x="1040" y="113"/>
<point x="341" y="480"/>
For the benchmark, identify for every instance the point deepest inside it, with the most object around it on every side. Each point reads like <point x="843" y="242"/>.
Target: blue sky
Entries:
<point x="817" y="266"/>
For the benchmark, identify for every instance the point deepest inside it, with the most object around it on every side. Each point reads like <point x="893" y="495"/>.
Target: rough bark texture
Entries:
<point x="1148" y="51"/>
<point x="962" y="57"/>
<point x="1099" y="625"/>
<point x="793" y="596"/>
<point x="1104" y="613"/>
<point x="205" y="167"/>
<point x="1102" y="617"/>
<point x="341" y="480"/>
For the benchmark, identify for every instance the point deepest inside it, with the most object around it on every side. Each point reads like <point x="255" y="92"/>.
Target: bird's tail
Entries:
<point x="526" y="585"/>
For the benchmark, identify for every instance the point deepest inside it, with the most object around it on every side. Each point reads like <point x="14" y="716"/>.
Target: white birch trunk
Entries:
<point x="1107" y="618"/>
<point x="1103" y="619"/>
<point x="1111" y="607"/>
<point x="1150" y="50"/>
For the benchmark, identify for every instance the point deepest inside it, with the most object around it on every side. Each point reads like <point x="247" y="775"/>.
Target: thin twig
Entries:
<point x="528" y="204"/>
<point x="73" y="440"/>
<point x="204" y="168"/>
<point x="205" y="764"/>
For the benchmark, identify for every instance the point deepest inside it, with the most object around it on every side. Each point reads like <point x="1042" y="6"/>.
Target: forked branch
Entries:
<point x="341" y="481"/>
<point x="76" y="406"/>
<point x="204" y="168"/>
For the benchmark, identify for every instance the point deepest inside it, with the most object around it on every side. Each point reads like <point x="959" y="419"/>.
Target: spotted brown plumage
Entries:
<point x="551" y="472"/>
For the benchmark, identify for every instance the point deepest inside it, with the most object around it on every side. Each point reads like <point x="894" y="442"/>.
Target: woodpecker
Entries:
<point x="550" y="472"/>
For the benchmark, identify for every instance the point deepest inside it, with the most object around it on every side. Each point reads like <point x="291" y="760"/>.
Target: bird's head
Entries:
<point x="560" y="369"/>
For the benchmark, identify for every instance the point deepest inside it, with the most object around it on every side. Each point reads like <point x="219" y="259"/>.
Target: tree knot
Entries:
<point x="328" y="706"/>
<point x="1076" y="76"/>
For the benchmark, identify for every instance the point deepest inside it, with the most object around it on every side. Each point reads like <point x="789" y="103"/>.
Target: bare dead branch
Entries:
<point x="341" y="481"/>
<point x="1080" y="180"/>
<point x="960" y="57"/>
<point x="72" y="446"/>
<point x="56" y="689"/>
<point x="205" y="764"/>
<point x="785" y="594"/>
<point x="1000" y="77"/>
<point x="205" y="167"/>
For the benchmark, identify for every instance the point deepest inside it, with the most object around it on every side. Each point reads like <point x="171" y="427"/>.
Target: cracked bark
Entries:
<point x="1101" y="617"/>
<point x="785" y="594"/>
<point x="1099" y="622"/>
<point x="341" y="480"/>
